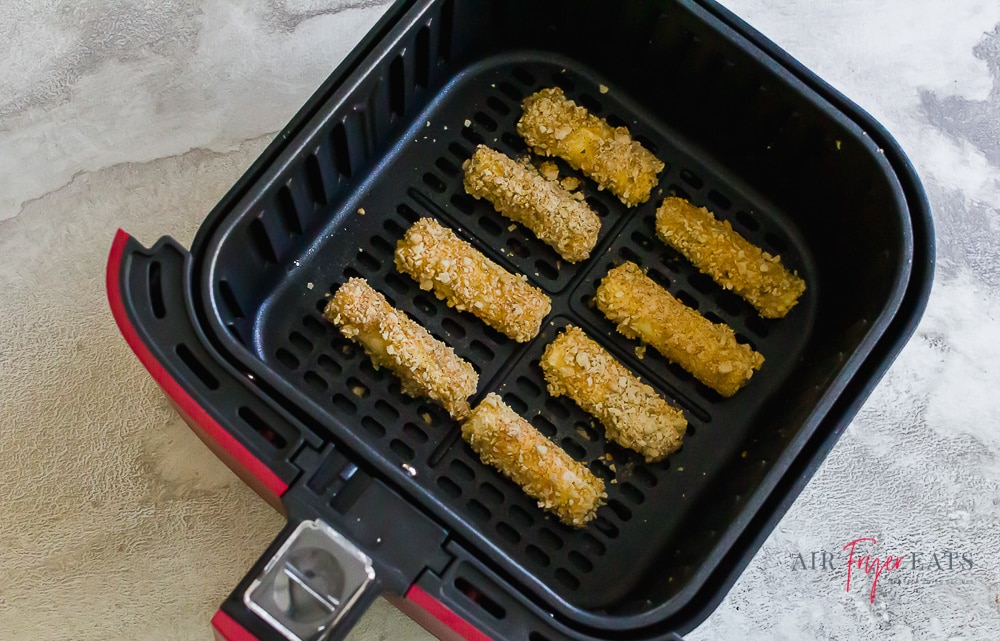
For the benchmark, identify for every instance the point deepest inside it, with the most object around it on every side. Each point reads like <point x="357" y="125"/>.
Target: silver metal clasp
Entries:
<point x="310" y="583"/>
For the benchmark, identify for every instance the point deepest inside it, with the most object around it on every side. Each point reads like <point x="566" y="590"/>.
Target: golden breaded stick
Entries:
<point x="552" y="125"/>
<point x="645" y="310"/>
<point x="425" y="365"/>
<point x="459" y="274"/>
<point x="730" y="259"/>
<point x="633" y="414"/>
<point x="520" y="193"/>
<point x="544" y="471"/>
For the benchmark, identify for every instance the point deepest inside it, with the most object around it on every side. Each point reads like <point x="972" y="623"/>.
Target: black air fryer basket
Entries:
<point x="381" y="492"/>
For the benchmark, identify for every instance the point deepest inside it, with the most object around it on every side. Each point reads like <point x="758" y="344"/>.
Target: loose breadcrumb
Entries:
<point x="730" y="259"/>
<point x="520" y="193"/>
<point x="553" y="125"/>
<point x="642" y="309"/>
<point x="425" y="365"/>
<point x="461" y="275"/>
<point x="544" y="471"/>
<point x="633" y="414"/>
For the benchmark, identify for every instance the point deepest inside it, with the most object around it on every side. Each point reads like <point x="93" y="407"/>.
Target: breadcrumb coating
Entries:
<point x="633" y="414"/>
<point x="709" y="351"/>
<point x="425" y="365"/>
<point x="519" y="192"/>
<point x="544" y="471"/>
<point x="730" y="259"/>
<point x="467" y="280"/>
<point x="553" y="125"/>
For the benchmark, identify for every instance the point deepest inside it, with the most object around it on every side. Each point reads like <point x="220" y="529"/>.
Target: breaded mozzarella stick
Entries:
<point x="520" y="193"/>
<point x="730" y="259"/>
<point x="459" y="274"/>
<point x="645" y="310"/>
<point x="544" y="471"/>
<point x="553" y="125"/>
<point x="425" y="365"/>
<point x="632" y="413"/>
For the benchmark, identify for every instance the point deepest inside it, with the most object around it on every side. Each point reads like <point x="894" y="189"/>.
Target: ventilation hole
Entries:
<point x="647" y="143"/>
<point x="314" y="180"/>
<point x="687" y="299"/>
<point x="329" y="365"/>
<point x="476" y="596"/>
<point x="447" y="27"/>
<point x="460" y="470"/>
<point x="729" y="303"/>
<point x="579" y="561"/>
<point x="520" y="517"/>
<point x="510" y="91"/>
<point x="434" y="182"/>
<point x="349" y="273"/>
<point x="225" y="292"/>
<point x="488" y="123"/>
<point x="403" y="450"/>
<point x="659" y="277"/>
<point x="606" y="527"/>
<point x="615" y="121"/>
<point x="543" y="425"/>
<point x="515" y="403"/>
<point x="711" y="316"/>
<point x="747" y="221"/>
<point x="196" y="367"/>
<point x="414" y="433"/>
<point x="719" y="200"/>
<point x="387" y="410"/>
<point x="490" y="493"/>
<point x="478" y="511"/>
<point x="567" y="579"/>
<point x="563" y="82"/>
<point x="287" y="358"/>
<point x="497" y="105"/>
<point x="743" y="340"/>
<point x="358" y="388"/>
<point x="397" y="283"/>
<point x="382" y="246"/>
<point x="369" y="262"/>
<point x="690" y="178"/>
<point x="300" y="342"/>
<point x="538" y="636"/>
<point x="446" y="166"/>
<point x="546" y="269"/>
<point x="537" y="556"/>
<point x="480" y="351"/>
<point x="592" y="104"/>
<point x="508" y="533"/>
<point x="642" y="240"/>
<point x="321" y="304"/>
<point x="592" y="545"/>
<point x="260" y="426"/>
<point x="397" y="86"/>
<point x="344" y="404"/>
<point x="599" y="208"/>
<point x="523" y="76"/>
<point x="423" y="56"/>
<point x="777" y="244"/>
<point x="345" y="347"/>
<point x="573" y="448"/>
<point x="517" y="248"/>
<point x="408" y="213"/>
<point x="260" y="241"/>
<point x="287" y="211"/>
<point x="630" y="255"/>
<point x="515" y="143"/>
<point x="676" y="190"/>
<point x="556" y="408"/>
<point x="622" y="512"/>
<point x="490" y="225"/>
<point x="701" y="282"/>
<point x="586" y="431"/>
<point x="341" y="152"/>
<point x="528" y="386"/>
<point x="644" y="476"/>
<point x="313" y="325"/>
<point x="449" y="487"/>
<point x="460" y="152"/>
<point x="550" y="539"/>
<point x="155" y="278"/>
<point x="463" y="203"/>
<point x="425" y="304"/>
<point x="373" y="427"/>
<point x="472" y="136"/>
<point x="757" y="326"/>
<point x="600" y="468"/>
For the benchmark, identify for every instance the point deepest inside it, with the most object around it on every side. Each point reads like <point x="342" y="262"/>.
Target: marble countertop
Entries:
<point x="116" y="522"/>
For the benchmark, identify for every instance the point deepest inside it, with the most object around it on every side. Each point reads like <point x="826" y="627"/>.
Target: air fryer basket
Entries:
<point x="740" y="132"/>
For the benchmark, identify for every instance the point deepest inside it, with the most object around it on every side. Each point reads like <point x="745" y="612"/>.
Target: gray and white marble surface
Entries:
<point x="116" y="522"/>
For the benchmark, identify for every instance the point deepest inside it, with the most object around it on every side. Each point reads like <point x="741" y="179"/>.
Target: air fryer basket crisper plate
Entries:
<point x="796" y="177"/>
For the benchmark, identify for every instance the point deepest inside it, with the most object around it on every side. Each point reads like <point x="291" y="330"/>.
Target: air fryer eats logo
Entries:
<point x="861" y="563"/>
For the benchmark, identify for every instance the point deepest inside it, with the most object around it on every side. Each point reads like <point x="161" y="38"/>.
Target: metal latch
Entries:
<point x="310" y="583"/>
